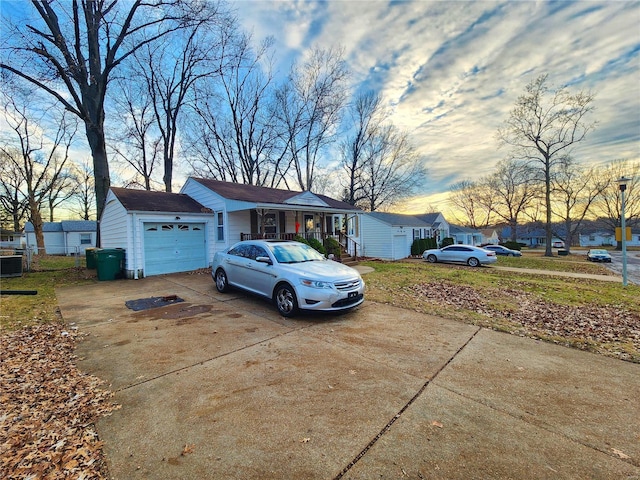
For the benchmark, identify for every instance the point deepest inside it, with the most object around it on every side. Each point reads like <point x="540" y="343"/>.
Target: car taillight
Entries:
<point x="491" y="254"/>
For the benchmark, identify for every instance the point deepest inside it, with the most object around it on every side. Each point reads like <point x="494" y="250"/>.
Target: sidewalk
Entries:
<point x="221" y="386"/>
<point x="602" y="278"/>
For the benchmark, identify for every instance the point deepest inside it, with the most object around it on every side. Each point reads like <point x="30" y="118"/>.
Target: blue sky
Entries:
<point x="451" y="71"/>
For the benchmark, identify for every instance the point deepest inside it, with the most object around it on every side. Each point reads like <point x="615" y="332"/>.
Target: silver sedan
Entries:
<point x="292" y="274"/>
<point x="472" y="256"/>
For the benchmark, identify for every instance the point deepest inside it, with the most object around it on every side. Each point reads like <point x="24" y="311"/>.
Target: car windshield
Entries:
<point x="295" y="253"/>
<point x="598" y="252"/>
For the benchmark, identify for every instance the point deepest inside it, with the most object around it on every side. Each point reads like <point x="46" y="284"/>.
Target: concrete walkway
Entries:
<point x="531" y="271"/>
<point x="221" y="386"/>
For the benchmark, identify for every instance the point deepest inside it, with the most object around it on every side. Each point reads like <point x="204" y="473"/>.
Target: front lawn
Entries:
<point x="592" y="315"/>
<point x="48" y="272"/>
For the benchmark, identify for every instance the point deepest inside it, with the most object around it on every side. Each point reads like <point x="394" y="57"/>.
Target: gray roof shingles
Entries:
<point x="146" y="201"/>
<point x="256" y="194"/>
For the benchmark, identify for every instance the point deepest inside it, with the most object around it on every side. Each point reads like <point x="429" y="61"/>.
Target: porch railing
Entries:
<point x="283" y="236"/>
<point x="349" y="245"/>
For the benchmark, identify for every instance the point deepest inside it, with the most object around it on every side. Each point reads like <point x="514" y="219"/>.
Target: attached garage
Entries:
<point x="160" y="232"/>
<point x="168" y="246"/>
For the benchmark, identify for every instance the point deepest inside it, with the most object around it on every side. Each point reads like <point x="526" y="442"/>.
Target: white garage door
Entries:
<point x="400" y="247"/>
<point x="173" y="247"/>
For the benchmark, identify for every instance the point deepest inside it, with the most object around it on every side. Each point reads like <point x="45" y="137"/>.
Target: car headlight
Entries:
<point x="315" y="283"/>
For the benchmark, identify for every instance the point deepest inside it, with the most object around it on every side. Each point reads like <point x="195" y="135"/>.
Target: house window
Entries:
<point x="353" y="226"/>
<point x="592" y="238"/>
<point x="167" y="227"/>
<point x="85" y="239"/>
<point x="308" y="223"/>
<point x="269" y="223"/>
<point x="220" y="227"/>
<point x="416" y="233"/>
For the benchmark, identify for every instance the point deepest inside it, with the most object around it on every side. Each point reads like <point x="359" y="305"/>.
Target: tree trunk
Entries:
<point x="547" y="198"/>
<point x="95" y="137"/>
<point x="36" y="221"/>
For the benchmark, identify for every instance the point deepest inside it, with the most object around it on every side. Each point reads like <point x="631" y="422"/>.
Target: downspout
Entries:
<point x="133" y="241"/>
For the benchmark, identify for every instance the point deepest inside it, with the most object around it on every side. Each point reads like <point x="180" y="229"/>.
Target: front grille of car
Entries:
<point x="350" y="285"/>
<point x="345" y="302"/>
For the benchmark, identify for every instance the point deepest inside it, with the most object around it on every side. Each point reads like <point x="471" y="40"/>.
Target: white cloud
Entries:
<point x="452" y="70"/>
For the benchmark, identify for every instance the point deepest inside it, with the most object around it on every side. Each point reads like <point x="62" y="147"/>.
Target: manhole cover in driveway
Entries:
<point x="152" y="302"/>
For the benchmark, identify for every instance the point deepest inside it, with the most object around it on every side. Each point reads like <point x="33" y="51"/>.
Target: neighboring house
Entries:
<point x="439" y="227"/>
<point x="603" y="239"/>
<point x="597" y="239"/>
<point x="174" y="232"/>
<point x="531" y="237"/>
<point x="390" y="235"/>
<point x="465" y="235"/>
<point x="490" y="236"/>
<point x="63" y="238"/>
<point x="11" y="240"/>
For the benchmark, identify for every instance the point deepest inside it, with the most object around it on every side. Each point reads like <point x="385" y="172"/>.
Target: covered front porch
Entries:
<point x="287" y="224"/>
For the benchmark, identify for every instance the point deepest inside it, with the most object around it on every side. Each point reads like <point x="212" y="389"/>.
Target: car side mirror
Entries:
<point x="266" y="260"/>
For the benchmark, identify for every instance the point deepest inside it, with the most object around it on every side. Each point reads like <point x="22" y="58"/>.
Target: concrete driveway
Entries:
<point x="221" y="386"/>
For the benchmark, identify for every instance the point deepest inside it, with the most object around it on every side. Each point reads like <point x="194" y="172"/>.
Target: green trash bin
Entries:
<point x="109" y="263"/>
<point x="90" y="254"/>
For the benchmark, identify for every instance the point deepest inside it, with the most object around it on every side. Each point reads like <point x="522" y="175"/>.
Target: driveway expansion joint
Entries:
<point x="420" y="391"/>
<point x="541" y="425"/>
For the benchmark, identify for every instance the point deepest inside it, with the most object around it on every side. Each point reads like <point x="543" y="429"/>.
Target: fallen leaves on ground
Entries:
<point x="581" y="324"/>
<point x="47" y="407"/>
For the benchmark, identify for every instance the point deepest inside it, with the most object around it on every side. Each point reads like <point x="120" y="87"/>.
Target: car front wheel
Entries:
<point x="285" y="300"/>
<point x="473" y="262"/>
<point x="432" y="259"/>
<point x="222" y="284"/>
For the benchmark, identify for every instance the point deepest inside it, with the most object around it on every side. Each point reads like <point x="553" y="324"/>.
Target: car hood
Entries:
<point x="325" y="270"/>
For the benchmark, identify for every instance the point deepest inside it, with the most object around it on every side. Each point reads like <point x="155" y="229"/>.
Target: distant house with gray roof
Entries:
<point x="465" y="235"/>
<point x="389" y="236"/>
<point x="63" y="238"/>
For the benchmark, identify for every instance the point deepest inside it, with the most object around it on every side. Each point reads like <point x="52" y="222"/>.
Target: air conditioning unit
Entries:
<point x="11" y="266"/>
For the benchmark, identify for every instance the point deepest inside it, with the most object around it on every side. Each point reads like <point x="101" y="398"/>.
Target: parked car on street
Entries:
<point x="500" y="250"/>
<point x="292" y="274"/>
<point x="472" y="256"/>
<point x="557" y="244"/>
<point x="598" y="255"/>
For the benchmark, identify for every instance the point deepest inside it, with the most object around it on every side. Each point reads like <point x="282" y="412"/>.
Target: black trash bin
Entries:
<point x="109" y="263"/>
<point x="563" y="253"/>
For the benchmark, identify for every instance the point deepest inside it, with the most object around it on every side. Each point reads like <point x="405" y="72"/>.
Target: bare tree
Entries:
<point x="608" y="205"/>
<point x="512" y="189"/>
<point x="62" y="188"/>
<point x="172" y="69"/>
<point x="136" y="144"/>
<point x="309" y="108"/>
<point x="471" y="199"/>
<point x="393" y="169"/>
<point x="72" y="60"/>
<point x="85" y="193"/>
<point x="574" y="191"/>
<point x="13" y="201"/>
<point x="367" y="116"/>
<point x="238" y="139"/>
<point x="542" y="127"/>
<point x="40" y="161"/>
